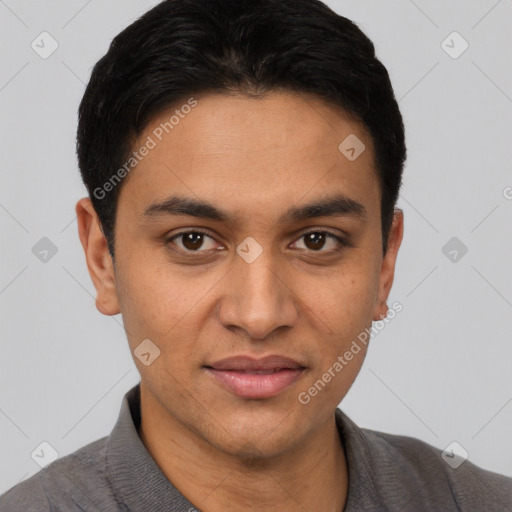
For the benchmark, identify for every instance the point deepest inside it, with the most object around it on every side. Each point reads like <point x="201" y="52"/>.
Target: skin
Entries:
<point x="254" y="159"/>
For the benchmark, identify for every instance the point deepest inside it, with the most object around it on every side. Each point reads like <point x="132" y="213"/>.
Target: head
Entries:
<point x="243" y="159"/>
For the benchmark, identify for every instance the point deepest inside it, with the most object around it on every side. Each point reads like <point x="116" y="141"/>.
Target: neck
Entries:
<point x="311" y="476"/>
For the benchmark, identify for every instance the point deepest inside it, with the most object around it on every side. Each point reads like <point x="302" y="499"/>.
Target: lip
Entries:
<point x="250" y="363"/>
<point x="248" y="377"/>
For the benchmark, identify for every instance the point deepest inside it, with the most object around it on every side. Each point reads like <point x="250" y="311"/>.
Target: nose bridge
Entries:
<point x="260" y="300"/>
<point x="260" y="280"/>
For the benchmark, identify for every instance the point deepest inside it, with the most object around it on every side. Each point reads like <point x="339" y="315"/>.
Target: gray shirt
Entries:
<point x="386" y="473"/>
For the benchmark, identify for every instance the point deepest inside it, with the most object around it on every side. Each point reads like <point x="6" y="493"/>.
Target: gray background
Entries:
<point x="440" y="371"/>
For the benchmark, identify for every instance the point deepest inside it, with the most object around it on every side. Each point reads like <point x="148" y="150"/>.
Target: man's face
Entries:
<point x="199" y="300"/>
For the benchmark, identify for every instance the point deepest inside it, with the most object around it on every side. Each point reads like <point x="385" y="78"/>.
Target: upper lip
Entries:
<point x="245" y="363"/>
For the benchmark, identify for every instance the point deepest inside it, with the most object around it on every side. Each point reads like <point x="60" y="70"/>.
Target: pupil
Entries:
<point x="193" y="240"/>
<point x="315" y="240"/>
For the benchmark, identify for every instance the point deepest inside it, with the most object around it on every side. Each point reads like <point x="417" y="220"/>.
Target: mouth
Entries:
<point x="247" y="377"/>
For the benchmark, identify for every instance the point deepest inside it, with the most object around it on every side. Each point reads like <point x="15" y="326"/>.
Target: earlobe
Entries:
<point x="383" y="315"/>
<point x="387" y="271"/>
<point x="99" y="261"/>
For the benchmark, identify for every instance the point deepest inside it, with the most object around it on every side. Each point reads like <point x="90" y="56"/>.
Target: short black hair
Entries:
<point x="181" y="48"/>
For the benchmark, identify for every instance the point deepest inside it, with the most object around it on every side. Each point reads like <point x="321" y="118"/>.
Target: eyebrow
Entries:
<point x="334" y="206"/>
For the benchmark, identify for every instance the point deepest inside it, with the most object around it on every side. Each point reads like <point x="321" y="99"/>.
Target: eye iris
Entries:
<point x="193" y="240"/>
<point x="315" y="240"/>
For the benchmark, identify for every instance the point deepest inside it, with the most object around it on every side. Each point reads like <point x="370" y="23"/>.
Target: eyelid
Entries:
<point x="342" y="240"/>
<point x="319" y="229"/>
<point x="170" y="239"/>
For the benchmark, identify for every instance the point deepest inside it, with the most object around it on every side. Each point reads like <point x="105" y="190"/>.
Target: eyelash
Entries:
<point x="342" y="243"/>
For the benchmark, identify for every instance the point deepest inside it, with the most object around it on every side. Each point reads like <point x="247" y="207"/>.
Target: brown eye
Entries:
<point x="192" y="241"/>
<point x="317" y="240"/>
<point x="314" y="241"/>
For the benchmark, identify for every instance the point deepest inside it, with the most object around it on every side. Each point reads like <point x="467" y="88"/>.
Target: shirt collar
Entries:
<point x="137" y="480"/>
<point x="141" y="485"/>
<point x="363" y="492"/>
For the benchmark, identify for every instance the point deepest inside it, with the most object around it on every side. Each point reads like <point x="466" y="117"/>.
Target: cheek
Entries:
<point x="164" y="304"/>
<point x="345" y="306"/>
<point x="149" y="290"/>
<point x="346" y="301"/>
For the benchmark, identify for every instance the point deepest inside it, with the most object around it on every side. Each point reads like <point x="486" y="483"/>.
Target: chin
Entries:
<point x="252" y="452"/>
<point x="252" y="443"/>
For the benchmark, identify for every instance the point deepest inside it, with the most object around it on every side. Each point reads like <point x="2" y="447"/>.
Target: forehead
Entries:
<point x="253" y="155"/>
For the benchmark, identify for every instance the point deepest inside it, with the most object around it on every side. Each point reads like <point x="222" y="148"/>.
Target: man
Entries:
<point x="243" y="159"/>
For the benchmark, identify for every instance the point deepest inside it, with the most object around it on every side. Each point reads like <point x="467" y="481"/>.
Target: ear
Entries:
<point x="387" y="271"/>
<point x="99" y="261"/>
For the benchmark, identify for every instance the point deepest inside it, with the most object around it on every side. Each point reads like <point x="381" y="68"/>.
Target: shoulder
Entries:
<point x="420" y="465"/>
<point x="69" y="483"/>
<point x="27" y="496"/>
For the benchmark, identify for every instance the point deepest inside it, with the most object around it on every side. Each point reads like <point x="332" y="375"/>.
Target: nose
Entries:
<point x="259" y="298"/>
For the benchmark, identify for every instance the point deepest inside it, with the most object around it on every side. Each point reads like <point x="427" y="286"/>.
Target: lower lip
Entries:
<point x="252" y="385"/>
